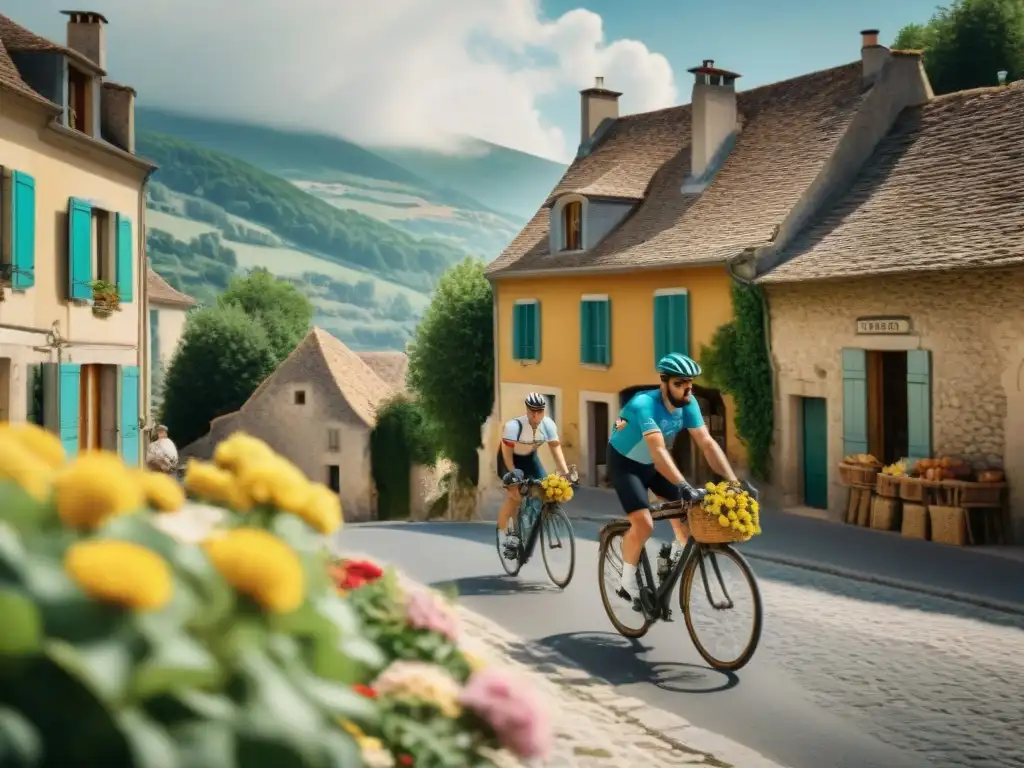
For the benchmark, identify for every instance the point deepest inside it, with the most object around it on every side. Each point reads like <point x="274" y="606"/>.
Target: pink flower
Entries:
<point x="514" y="712"/>
<point x="426" y="610"/>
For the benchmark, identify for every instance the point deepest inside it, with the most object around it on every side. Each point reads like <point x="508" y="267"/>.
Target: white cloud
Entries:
<point x="398" y="72"/>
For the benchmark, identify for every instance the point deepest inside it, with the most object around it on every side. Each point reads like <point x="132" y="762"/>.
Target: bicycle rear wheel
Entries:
<point x="556" y="536"/>
<point x="609" y="574"/>
<point x="725" y="584"/>
<point x="512" y="567"/>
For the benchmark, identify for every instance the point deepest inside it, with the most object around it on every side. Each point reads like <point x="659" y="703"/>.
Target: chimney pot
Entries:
<point x="869" y="38"/>
<point x="709" y="63"/>
<point x="87" y="36"/>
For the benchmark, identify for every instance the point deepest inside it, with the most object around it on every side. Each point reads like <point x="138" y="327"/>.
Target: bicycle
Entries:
<point x="653" y="602"/>
<point x="544" y="526"/>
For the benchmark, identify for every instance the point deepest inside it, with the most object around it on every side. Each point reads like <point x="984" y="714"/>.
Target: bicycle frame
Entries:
<point x="529" y="543"/>
<point x="654" y="601"/>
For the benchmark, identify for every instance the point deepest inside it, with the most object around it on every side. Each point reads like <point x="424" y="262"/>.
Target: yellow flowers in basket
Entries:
<point x="733" y="507"/>
<point x="556" y="488"/>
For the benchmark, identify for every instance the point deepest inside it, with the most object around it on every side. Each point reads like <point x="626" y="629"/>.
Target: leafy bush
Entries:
<point x="223" y="356"/>
<point x="402" y="437"/>
<point x="139" y="634"/>
<point x="278" y="305"/>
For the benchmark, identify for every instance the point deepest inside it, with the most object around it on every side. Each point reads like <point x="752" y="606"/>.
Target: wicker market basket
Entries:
<point x="859" y="475"/>
<point x="704" y="528"/>
<point x="912" y="489"/>
<point x="888" y="486"/>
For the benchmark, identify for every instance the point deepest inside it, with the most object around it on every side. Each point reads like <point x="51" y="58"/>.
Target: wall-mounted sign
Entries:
<point x="883" y="325"/>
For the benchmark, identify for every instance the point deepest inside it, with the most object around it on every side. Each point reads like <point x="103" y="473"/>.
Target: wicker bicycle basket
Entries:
<point x="705" y="529"/>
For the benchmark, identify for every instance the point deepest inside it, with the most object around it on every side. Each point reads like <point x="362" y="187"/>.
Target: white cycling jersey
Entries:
<point x="524" y="439"/>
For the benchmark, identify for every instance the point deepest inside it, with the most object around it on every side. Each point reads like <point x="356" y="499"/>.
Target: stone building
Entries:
<point x="897" y="317"/>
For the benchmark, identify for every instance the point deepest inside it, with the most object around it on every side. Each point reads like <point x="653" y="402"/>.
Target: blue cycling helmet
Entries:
<point x="675" y="364"/>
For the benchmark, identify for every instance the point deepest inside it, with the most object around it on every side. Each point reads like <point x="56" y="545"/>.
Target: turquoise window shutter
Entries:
<point x="79" y="249"/>
<point x="68" y="388"/>
<point x="536" y="330"/>
<point x="855" y="401"/>
<point x="529" y="331"/>
<point x="662" y="326"/>
<point x="129" y="422"/>
<point x="595" y="331"/>
<point x="919" y="404"/>
<point x="517" y="331"/>
<point x="586" y="331"/>
<point x="125" y="260"/>
<point x="604" y="328"/>
<point x="23" y="230"/>
<point x="679" y="336"/>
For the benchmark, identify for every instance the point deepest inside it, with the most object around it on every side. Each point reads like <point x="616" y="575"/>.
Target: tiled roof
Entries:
<point x="361" y="388"/>
<point x="161" y="292"/>
<point x="390" y="366"/>
<point x="17" y="39"/>
<point x="944" y="190"/>
<point x="788" y="130"/>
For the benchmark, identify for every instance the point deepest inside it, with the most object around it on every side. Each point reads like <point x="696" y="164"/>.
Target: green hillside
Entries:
<point x="296" y="216"/>
<point x="501" y="178"/>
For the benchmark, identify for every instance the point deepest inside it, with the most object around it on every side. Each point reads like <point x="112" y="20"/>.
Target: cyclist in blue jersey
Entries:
<point x="520" y="440"/>
<point x="639" y="459"/>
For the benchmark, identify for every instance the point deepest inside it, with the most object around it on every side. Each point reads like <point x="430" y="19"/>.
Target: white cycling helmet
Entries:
<point x="535" y="401"/>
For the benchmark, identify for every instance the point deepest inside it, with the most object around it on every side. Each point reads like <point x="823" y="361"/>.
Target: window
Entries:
<point x="526" y="330"/>
<point x="572" y="226"/>
<point x="300" y="397"/>
<point x="334" y="478"/>
<point x="671" y="322"/>
<point x="595" y="330"/>
<point x="333" y="440"/>
<point x="78" y="100"/>
<point x="103" y="252"/>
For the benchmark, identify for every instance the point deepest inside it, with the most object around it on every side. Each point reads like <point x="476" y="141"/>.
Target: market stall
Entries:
<point x="946" y="500"/>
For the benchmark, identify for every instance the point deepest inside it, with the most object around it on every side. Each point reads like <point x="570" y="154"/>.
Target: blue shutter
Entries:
<point x="125" y="260"/>
<point x="130" y="415"/>
<point x="679" y="314"/>
<point x="606" y="331"/>
<point x="855" y="401"/>
<point x="69" y="388"/>
<point x="535" y="311"/>
<point x="23" y="230"/>
<point x="517" y="331"/>
<point x="529" y="331"/>
<point x="79" y="249"/>
<point x="595" y="331"/>
<point x="662" y="327"/>
<point x="586" y="331"/>
<point x="919" y="404"/>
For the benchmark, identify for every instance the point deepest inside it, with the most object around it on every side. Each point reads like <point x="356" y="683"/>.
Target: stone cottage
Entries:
<point x="897" y="316"/>
<point x="317" y="409"/>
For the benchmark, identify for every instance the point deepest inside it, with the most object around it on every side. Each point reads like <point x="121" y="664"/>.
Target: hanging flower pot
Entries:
<point x="105" y="298"/>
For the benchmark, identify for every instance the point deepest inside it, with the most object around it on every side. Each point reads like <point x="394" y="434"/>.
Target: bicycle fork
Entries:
<point x="721" y="582"/>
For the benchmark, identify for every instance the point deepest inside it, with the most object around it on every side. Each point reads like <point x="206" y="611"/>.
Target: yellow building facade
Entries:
<point x="585" y="397"/>
<point x="72" y="264"/>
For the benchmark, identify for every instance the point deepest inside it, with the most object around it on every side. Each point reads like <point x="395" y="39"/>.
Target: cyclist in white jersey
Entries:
<point x="518" y="450"/>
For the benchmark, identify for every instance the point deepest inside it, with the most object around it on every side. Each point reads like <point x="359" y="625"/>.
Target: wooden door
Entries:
<point x="815" y="452"/>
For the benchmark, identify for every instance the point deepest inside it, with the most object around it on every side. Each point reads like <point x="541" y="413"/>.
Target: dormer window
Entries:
<point x="572" y="226"/>
<point x="78" y="100"/>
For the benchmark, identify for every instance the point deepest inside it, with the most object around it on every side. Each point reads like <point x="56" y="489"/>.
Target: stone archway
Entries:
<point x="691" y="461"/>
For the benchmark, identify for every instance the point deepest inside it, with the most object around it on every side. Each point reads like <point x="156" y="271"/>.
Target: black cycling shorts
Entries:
<point x="530" y="464"/>
<point x="631" y="481"/>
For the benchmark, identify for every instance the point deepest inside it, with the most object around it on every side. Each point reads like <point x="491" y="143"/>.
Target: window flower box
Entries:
<point x="105" y="298"/>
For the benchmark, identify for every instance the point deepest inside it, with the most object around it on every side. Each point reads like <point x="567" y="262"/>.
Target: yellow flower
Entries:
<point x="32" y="474"/>
<point x="709" y="487"/>
<point x="215" y="485"/>
<point x="120" y="572"/>
<point x="723" y="521"/>
<point x="162" y="492"/>
<point x="732" y="516"/>
<point x="754" y="507"/>
<point x="259" y="565"/>
<point x="274" y="481"/>
<point x="45" y="445"/>
<point x="421" y="681"/>
<point x="730" y="502"/>
<point x="95" y="487"/>
<point x="322" y="510"/>
<point x="240" y="449"/>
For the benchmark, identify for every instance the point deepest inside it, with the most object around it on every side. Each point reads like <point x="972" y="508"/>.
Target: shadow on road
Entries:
<point x="476" y="586"/>
<point x="616" y="659"/>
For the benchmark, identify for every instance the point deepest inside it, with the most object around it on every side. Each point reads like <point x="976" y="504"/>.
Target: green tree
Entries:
<point x="282" y="309"/>
<point x="451" y="362"/>
<point x="224" y="355"/>
<point x="403" y="436"/>
<point x="967" y="43"/>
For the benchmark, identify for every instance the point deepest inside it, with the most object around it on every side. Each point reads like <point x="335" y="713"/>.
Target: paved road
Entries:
<point x="848" y="675"/>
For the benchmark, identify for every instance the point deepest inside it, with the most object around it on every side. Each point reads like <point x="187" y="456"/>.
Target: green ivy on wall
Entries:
<point x="736" y="362"/>
<point x="401" y="438"/>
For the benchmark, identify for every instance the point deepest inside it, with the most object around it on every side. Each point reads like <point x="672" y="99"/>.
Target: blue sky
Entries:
<point x="763" y="41"/>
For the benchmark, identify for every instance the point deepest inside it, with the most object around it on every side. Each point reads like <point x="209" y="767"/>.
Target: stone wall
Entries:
<point x="971" y="322"/>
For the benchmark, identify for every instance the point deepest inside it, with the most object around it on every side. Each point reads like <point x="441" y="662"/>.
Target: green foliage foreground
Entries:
<point x="736" y="362"/>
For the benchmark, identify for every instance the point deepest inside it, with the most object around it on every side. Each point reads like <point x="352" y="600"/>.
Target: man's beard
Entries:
<point x="678" y="402"/>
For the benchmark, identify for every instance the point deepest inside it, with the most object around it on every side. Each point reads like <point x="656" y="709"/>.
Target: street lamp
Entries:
<point x="1001" y="74"/>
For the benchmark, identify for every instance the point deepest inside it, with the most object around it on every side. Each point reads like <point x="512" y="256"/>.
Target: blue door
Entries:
<point x="815" y="458"/>
<point x="130" y="415"/>
<point x="68" y="393"/>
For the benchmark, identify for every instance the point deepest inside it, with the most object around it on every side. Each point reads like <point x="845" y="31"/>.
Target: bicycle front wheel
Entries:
<point x="626" y="621"/>
<point x="512" y="567"/>
<point x="557" y="543"/>
<point x="719" y="587"/>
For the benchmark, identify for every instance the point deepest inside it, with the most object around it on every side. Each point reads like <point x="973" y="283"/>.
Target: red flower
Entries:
<point x="405" y="759"/>
<point x="352" y="574"/>
<point x="364" y="690"/>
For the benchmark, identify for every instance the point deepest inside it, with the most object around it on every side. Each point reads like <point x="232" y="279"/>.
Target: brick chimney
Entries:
<point x="872" y="55"/>
<point x="597" y="104"/>
<point x="117" y="116"/>
<point x="87" y="36"/>
<point x="713" y="112"/>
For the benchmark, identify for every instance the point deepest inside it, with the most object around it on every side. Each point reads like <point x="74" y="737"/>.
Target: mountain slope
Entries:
<point x="501" y="178"/>
<point x="343" y="236"/>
